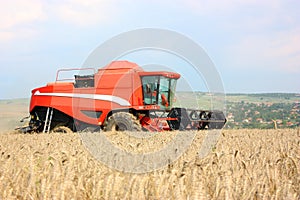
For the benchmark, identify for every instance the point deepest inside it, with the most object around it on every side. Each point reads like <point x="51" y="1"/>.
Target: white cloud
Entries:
<point x="19" y="33"/>
<point x="261" y="33"/>
<point x="204" y="7"/>
<point x="19" y="17"/>
<point x="17" y="12"/>
<point x="286" y="50"/>
<point x="86" y="13"/>
<point x="6" y="35"/>
<point x="16" y="15"/>
<point x="277" y="52"/>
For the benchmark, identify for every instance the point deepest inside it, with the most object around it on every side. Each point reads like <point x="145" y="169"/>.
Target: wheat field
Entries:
<point x="244" y="164"/>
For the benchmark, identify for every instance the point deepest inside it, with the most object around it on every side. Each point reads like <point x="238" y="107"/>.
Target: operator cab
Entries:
<point x="159" y="90"/>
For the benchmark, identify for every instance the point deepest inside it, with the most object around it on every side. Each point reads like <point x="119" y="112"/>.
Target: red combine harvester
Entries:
<point x="120" y="96"/>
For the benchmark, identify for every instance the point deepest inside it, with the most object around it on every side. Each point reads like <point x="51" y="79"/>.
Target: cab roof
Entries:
<point x="126" y="66"/>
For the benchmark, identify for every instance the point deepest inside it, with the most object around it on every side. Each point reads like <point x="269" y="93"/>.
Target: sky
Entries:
<point x="254" y="45"/>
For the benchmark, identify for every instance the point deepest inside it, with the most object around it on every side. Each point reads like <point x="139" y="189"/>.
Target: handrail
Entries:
<point x="71" y="69"/>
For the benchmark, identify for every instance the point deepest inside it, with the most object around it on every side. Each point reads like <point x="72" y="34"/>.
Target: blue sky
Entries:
<point x="255" y="45"/>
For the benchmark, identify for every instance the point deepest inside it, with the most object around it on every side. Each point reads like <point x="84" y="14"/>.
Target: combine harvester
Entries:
<point x="120" y="96"/>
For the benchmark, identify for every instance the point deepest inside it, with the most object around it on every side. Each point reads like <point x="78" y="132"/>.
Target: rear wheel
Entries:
<point x="122" y="121"/>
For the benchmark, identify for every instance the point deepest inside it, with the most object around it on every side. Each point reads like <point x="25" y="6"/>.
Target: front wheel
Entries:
<point x="122" y="121"/>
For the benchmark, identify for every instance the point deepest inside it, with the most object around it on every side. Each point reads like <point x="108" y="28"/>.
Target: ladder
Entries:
<point x="48" y="120"/>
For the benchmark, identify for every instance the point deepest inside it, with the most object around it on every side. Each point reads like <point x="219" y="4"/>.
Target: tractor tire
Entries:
<point x="122" y="121"/>
<point x="62" y="129"/>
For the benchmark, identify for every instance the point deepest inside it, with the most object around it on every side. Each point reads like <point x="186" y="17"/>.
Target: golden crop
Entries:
<point x="245" y="164"/>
